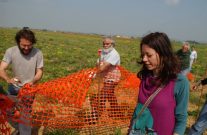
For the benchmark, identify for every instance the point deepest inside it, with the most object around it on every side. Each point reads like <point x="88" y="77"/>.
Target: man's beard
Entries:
<point x="22" y="50"/>
<point x="108" y="49"/>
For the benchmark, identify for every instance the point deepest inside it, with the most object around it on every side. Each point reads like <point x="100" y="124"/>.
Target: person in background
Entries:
<point x="201" y="124"/>
<point x="27" y="67"/>
<point x="108" y="70"/>
<point x="193" y="57"/>
<point x="161" y="70"/>
<point x="184" y="57"/>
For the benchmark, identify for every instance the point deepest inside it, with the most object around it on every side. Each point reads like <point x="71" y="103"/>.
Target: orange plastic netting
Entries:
<point x="5" y="105"/>
<point x="78" y="101"/>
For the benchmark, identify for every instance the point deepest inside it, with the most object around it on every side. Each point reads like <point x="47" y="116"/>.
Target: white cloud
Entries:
<point x="172" y="2"/>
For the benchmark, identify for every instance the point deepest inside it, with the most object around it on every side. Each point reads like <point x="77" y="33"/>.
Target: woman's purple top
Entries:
<point x="162" y="107"/>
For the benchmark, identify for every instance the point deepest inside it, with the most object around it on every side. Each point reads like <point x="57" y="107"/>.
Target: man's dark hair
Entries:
<point x="26" y="33"/>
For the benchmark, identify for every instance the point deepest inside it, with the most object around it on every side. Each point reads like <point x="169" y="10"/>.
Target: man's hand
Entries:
<point x="30" y="84"/>
<point x="195" y="86"/>
<point x="14" y="80"/>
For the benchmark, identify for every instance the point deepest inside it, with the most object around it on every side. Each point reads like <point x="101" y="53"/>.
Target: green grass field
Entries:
<point x="65" y="53"/>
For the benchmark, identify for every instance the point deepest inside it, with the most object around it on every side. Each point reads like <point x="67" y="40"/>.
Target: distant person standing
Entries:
<point x="184" y="57"/>
<point x="27" y="67"/>
<point x="193" y="57"/>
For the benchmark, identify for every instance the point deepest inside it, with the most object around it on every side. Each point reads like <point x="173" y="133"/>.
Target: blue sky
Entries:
<point x="179" y="19"/>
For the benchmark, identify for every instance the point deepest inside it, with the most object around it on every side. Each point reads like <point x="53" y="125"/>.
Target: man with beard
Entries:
<point x="109" y="72"/>
<point x="27" y="67"/>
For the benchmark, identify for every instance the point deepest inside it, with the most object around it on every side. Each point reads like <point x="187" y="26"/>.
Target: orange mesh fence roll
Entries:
<point x="5" y="106"/>
<point x="80" y="100"/>
<point x="4" y="127"/>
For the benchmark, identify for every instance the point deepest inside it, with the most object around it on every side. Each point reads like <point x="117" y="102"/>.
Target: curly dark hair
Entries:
<point x="170" y="65"/>
<point x="27" y="34"/>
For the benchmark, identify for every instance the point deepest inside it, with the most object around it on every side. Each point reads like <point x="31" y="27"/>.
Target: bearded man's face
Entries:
<point x="25" y="46"/>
